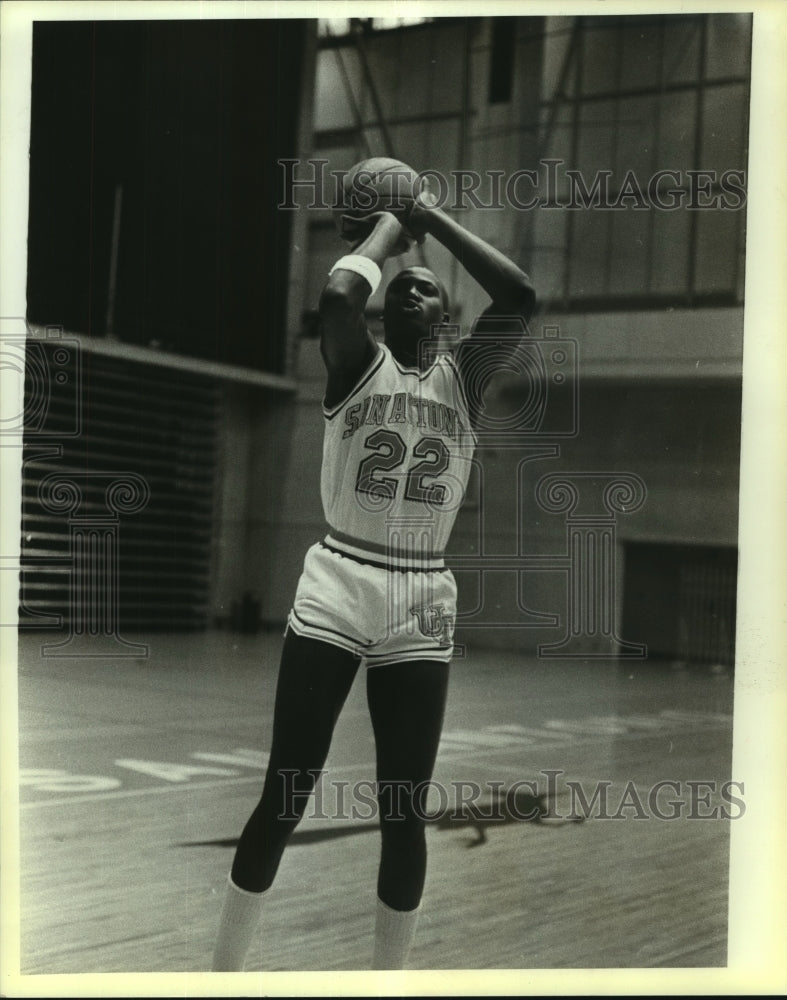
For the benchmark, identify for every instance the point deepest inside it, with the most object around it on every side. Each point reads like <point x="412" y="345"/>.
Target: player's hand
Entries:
<point x="417" y="216"/>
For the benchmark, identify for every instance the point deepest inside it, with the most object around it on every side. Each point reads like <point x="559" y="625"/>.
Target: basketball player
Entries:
<point x="375" y="592"/>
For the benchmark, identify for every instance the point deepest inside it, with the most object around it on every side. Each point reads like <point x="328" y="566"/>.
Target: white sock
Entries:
<point x="393" y="936"/>
<point x="239" y="918"/>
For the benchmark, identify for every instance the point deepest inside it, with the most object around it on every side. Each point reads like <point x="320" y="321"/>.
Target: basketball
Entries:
<point x="375" y="185"/>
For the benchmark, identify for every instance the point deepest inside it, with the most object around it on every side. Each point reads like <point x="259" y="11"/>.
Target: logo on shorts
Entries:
<point x="434" y="622"/>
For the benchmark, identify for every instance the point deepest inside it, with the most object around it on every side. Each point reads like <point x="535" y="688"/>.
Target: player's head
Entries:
<point x="415" y="303"/>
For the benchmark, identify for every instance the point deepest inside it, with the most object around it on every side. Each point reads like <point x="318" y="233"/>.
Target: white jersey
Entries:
<point x="396" y="459"/>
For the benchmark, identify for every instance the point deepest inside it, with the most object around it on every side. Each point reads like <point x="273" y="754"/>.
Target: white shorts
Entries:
<point x="380" y="615"/>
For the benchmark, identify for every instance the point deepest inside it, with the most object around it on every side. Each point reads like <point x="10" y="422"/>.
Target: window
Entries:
<point x="642" y="95"/>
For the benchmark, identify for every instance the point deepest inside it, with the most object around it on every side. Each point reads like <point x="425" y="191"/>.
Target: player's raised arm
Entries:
<point x="347" y="346"/>
<point x="504" y="322"/>
<point x="509" y="288"/>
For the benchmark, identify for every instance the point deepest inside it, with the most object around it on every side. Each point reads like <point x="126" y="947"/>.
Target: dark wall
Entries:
<point x="680" y="601"/>
<point x="189" y="118"/>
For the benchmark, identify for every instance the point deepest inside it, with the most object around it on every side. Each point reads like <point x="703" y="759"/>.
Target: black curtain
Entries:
<point x="187" y="119"/>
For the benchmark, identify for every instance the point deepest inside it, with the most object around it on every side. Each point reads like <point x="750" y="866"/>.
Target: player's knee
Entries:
<point x="401" y="802"/>
<point x="402" y="833"/>
<point x="294" y="803"/>
<point x="286" y="797"/>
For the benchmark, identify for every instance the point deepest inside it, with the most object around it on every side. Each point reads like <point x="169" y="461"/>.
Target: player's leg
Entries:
<point x="407" y="704"/>
<point x="314" y="681"/>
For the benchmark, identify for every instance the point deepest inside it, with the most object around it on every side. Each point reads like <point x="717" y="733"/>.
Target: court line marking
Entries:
<point x="571" y="740"/>
<point x="245" y="780"/>
<point x="128" y="793"/>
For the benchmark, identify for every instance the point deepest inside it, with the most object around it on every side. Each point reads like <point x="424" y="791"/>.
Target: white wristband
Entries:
<point x="364" y="266"/>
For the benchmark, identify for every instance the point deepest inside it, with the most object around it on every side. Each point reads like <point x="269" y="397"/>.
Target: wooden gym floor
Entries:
<point x="136" y="776"/>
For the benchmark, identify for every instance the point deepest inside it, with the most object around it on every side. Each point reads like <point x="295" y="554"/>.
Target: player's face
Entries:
<point x="414" y="304"/>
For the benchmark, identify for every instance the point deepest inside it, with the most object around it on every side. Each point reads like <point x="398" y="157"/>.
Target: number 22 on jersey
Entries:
<point x="389" y="453"/>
